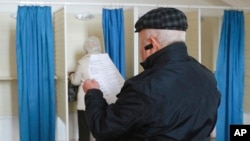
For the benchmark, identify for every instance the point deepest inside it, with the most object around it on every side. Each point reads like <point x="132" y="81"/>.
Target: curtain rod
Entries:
<point x="122" y="4"/>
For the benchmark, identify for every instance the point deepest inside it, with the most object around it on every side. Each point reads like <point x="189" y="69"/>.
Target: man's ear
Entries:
<point x="155" y="45"/>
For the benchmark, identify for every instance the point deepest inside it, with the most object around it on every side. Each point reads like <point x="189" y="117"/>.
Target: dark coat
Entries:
<point x="175" y="98"/>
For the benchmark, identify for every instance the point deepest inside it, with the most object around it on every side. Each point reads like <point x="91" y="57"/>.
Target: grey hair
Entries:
<point x="92" y="45"/>
<point x="166" y="37"/>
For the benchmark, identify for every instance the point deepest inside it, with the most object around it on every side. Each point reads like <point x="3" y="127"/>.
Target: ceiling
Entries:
<point x="76" y="6"/>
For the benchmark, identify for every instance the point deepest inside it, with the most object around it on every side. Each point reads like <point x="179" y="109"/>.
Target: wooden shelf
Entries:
<point x="7" y="78"/>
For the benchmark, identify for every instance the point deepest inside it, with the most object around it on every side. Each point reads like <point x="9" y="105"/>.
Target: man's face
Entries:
<point x="143" y="41"/>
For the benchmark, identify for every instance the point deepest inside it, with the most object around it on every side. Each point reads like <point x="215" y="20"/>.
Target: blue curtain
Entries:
<point x="113" y="31"/>
<point x="35" y="71"/>
<point x="230" y="73"/>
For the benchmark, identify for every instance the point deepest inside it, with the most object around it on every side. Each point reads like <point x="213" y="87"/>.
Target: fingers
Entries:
<point x="87" y="81"/>
<point x="93" y="81"/>
<point x="90" y="84"/>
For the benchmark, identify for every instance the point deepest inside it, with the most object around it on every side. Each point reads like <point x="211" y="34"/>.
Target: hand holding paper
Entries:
<point x="109" y="80"/>
<point x="90" y="84"/>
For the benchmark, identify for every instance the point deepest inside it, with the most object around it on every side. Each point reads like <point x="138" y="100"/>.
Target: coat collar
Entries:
<point x="174" y="52"/>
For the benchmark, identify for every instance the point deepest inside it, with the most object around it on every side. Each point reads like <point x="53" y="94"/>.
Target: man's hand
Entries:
<point x="90" y="84"/>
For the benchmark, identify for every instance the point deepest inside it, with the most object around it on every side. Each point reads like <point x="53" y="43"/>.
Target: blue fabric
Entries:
<point x="113" y="31"/>
<point x="230" y="73"/>
<point x="35" y="70"/>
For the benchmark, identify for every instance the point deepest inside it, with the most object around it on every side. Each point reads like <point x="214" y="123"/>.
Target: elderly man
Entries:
<point x="175" y="98"/>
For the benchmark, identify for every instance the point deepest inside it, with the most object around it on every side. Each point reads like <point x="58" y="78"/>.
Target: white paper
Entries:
<point x="102" y="69"/>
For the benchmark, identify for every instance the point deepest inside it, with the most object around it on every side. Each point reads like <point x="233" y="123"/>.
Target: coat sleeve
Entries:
<point x="114" y="120"/>
<point x="80" y="72"/>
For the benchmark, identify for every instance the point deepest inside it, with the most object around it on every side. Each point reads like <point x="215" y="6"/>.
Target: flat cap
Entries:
<point x="162" y="18"/>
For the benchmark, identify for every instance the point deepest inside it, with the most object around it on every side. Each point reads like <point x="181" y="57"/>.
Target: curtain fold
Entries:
<point x="230" y="73"/>
<point x="35" y="71"/>
<point x="113" y="32"/>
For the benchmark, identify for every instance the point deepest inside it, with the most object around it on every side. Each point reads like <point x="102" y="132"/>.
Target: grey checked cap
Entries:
<point x="162" y="18"/>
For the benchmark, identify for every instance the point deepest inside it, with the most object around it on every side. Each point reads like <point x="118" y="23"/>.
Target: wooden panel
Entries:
<point x="209" y="41"/>
<point x="8" y="87"/>
<point x="60" y="65"/>
<point x="247" y="64"/>
<point x="129" y="41"/>
<point x="9" y="98"/>
<point x="192" y="34"/>
<point x="7" y="45"/>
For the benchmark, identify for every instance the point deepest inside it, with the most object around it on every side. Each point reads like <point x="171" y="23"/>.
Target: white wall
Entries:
<point x="9" y="128"/>
<point x="78" y="31"/>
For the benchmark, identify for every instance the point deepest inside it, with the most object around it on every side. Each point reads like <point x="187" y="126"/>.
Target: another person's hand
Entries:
<point x="69" y="73"/>
<point x="90" y="84"/>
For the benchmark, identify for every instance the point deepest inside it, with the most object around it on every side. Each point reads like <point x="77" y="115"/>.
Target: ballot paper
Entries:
<point x="103" y="70"/>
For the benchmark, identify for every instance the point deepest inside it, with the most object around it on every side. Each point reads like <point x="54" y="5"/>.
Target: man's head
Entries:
<point x="92" y="45"/>
<point x="159" y="28"/>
